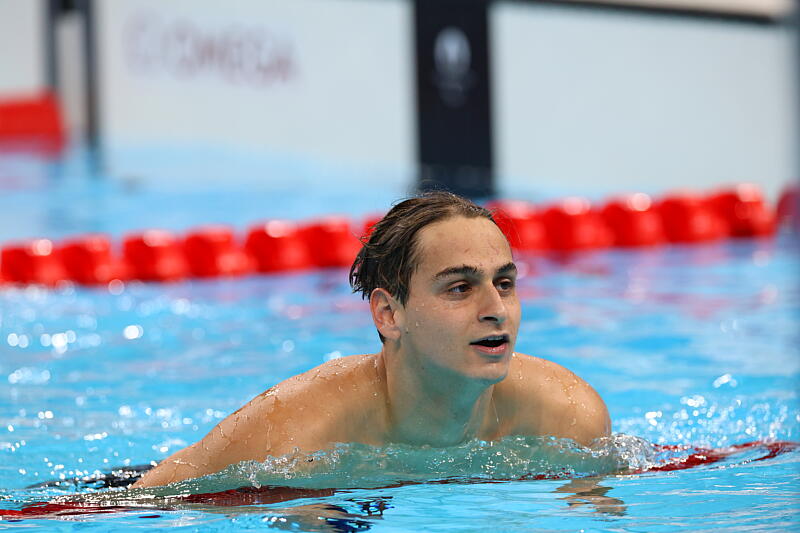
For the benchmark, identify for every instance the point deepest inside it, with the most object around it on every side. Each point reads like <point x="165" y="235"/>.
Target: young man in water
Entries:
<point x="440" y="280"/>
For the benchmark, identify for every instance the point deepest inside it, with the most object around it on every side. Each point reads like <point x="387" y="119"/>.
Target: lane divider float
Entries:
<point x="568" y="225"/>
<point x="32" y="122"/>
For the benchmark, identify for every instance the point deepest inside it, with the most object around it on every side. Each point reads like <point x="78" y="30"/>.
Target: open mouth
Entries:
<point x="492" y="341"/>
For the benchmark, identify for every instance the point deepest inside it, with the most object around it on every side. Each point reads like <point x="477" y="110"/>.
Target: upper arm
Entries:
<point x="239" y="437"/>
<point x="591" y="416"/>
<point x="560" y="404"/>
<point x="303" y="413"/>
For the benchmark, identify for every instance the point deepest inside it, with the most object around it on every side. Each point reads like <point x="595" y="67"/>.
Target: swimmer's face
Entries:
<point x="462" y="312"/>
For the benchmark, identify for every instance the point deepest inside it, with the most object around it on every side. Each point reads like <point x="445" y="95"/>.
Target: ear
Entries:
<point x="387" y="313"/>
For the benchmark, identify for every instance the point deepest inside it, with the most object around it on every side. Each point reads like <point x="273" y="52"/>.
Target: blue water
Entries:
<point x="691" y="345"/>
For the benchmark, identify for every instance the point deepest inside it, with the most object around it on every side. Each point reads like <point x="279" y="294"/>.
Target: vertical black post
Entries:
<point x="52" y="13"/>
<point x="453" y="96"/>
<point x="86" y="8"/>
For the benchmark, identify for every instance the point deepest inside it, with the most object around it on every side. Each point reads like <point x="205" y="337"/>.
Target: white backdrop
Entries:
<point x="587" y="101"/>
<point x="595" y="101"/>
<point x="324" y="79"/>
<point x="22" y="47"/>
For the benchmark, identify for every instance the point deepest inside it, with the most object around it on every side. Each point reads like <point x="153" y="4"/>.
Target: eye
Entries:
<point x="459" y="288"/>
<point x="505" y="284"/>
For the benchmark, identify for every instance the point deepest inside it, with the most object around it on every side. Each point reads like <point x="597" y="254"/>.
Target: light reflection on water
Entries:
<point x="688" y="345"/>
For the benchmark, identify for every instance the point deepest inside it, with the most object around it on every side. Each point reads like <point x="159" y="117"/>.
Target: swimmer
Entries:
<point x="440" y="280"/>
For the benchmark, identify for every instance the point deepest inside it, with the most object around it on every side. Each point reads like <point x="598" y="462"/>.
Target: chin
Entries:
<point x="492" y="373"/>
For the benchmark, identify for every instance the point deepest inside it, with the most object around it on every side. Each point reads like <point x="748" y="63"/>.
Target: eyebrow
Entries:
<point x="508" y="268"/>
<point x="469" y="270"/>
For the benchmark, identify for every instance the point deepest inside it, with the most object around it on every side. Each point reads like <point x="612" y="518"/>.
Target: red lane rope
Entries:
<point x="704" y="456"/>
<point x="571" y="224"/>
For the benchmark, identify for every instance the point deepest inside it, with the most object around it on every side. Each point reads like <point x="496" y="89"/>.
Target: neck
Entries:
<point x="434" y="406"/>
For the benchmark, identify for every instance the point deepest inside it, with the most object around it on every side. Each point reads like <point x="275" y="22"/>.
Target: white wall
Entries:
<point x="336" y="84"/>
<point x="594" y="101"/>
<point x="586" y="101"/>
<point x="22" y="47"/>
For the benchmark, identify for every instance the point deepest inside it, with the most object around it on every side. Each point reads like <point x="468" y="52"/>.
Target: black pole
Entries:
<point x="453" y="96"/>
<point x="86" y="8"/>
<point x="52" y="13"/>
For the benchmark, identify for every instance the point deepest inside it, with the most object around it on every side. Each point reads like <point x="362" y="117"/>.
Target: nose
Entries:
<point x="492" y="308"/>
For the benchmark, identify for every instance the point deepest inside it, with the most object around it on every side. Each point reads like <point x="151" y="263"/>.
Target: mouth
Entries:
<point x="492" y="344"/>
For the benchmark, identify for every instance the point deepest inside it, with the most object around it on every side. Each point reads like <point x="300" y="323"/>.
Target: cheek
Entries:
<point x="434" y="322"/>
<point x="516" y="313"/>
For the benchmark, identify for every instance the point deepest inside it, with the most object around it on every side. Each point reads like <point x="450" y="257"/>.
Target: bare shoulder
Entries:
<point x="332" y="402"/>
<point x="335" y="381"/>
<point x="544" y="398"/>
<point x="335" y="369"/>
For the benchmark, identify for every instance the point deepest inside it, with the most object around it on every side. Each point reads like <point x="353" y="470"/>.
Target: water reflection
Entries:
<point x="588" y="491"/>
<point x="330" y="517"/>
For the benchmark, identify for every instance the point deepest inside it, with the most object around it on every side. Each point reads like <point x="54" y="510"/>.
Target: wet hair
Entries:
<point x="390" y="254"/>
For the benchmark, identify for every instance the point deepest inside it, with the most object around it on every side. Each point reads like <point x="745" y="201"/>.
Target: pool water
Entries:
<point x="695" y="346"/>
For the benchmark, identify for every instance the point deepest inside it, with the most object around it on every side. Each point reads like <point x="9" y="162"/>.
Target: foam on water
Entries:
<point x="359" y="466"/>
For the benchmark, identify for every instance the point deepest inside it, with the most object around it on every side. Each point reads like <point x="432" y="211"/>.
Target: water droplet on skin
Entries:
<point x="184" y="463"/>
<point x="574" y="421"/>
<point x="269" y="442"/>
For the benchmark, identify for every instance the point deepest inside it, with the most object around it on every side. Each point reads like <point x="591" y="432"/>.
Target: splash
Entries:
<point x="353" y="465"/>
<point x="360" y="466"/>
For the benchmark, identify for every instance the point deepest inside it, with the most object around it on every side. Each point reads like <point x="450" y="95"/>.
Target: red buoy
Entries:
<point x="212" y="251"/>
<point x="633" y="221"/>
<point x="572" y="224"/>
<point x="34" y="261"/>
<point x="155" y="255"/>
<point x="520" y="223"/>
<point x="32" y="122"/>
<point x="331" y="241"/>
<point x="277" y="246"/>
<point x="687" y="218"/>
<point x="744" y="211"/>
<point x="88" y="260"/>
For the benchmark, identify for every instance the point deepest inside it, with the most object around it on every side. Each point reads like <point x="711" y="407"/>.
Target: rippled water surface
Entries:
<point x="693" y="348"/>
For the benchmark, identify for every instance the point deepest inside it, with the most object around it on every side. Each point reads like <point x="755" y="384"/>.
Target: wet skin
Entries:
<point x="447" y="372"/>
